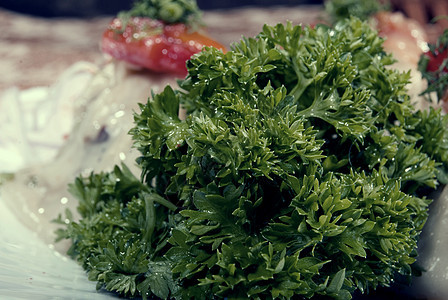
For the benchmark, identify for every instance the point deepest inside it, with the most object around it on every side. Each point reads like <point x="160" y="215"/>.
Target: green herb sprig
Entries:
<point x="341" y="9"/>
<point x="169" y="11"/>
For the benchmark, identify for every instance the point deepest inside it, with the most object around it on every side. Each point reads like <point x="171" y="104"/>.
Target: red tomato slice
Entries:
<point x="436" y="59"/>
<point x="153" y="44"/>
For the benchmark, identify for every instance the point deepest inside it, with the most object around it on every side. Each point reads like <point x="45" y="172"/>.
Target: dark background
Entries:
<point x="92" y="8"/>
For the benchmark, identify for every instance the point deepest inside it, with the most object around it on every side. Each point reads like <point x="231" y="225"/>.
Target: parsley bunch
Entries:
<point x="299" y="172"/>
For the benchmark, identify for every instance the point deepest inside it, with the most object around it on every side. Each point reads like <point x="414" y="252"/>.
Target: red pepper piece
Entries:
<point x="153" y="44"/>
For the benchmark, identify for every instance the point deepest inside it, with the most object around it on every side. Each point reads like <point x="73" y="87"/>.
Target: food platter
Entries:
<point x="47" y="271"/>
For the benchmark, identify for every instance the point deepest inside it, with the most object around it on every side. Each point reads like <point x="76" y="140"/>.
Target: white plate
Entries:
<point x="30" y="269"/>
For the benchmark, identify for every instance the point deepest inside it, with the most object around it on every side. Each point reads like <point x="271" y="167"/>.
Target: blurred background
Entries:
<point x="92" y="8"/>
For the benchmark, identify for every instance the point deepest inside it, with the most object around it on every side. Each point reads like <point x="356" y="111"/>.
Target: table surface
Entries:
<point x="34" y="51"/>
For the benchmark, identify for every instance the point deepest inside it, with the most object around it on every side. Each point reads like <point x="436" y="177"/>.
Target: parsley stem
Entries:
<point x="164" y="202"/>
<point x="302" y="81"/>
<point x="150" y="219"/>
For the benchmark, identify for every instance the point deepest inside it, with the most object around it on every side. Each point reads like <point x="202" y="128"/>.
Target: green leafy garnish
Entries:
<point x="169" y="11"/>
<point x="341" y="9"/>
<point x="298" y="172"/>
